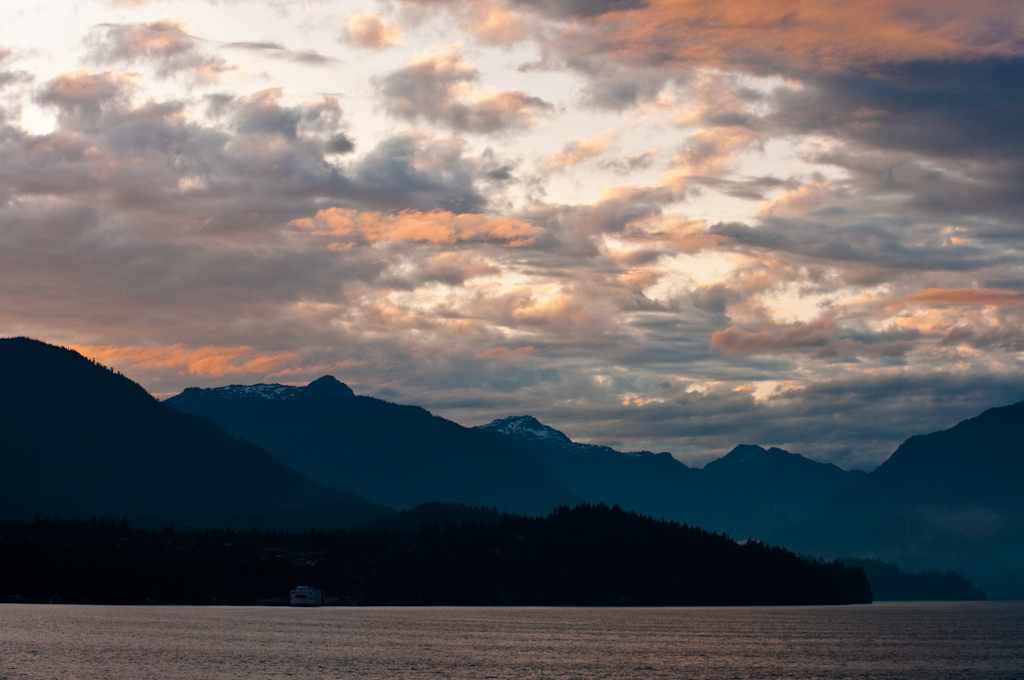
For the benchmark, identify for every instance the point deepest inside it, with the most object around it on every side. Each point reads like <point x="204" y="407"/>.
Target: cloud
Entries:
<point x="577" y="9"/>
<point x="879" y="244"/>
<point x="494" y="24"/>
<point x="372" y="31"/>
<point x="246" y="163"/>
<point x="823" y="336"/>
<point x="766" y="37"/>
<point x="968" y="297"/>
<point x="772" y="338"/>
<point x="829" y="262"/>
<point x="579" y="150"/>
<point x="712" y="151"/>
<point x="420" y="172"/>
<point x="633" y="162"/>
<point x="436" y="86"/>
<point x="937" y="108"/>
<point x="434" y="227"/>
<point x="164" y="43"/>
<point x="202" y="361"/>
<point x="277" y="51"/>
<point x="506" y="353"/>
<point x="83" y="95"/>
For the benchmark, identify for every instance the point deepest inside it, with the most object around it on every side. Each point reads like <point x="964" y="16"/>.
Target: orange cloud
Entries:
<point x="685" y="236"/>
<point x="710" y="151"/>
<point x="772" y="338"/>
<point x="372" y="31"/>
<point x="207" y="361"/>
<point x="981" y="297"/>
<point x="579" y="150"/>
<point x="833" y="34"/>
<point x="495" y="24"/>
<point x="506" y="353"/>
<point x="798" y="202"/>
<point x="437" y="227"/>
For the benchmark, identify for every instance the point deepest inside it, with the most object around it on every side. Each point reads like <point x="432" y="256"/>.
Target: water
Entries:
<point x="905" y="641"/>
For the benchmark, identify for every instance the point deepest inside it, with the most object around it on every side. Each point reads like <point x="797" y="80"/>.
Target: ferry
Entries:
<point x="306" y="596"/>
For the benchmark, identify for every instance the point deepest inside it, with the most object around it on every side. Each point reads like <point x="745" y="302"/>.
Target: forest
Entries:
<point x="584" y="556"/>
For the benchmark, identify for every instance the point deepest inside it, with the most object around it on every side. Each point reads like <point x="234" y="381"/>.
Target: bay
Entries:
<point x="906" y="641"/>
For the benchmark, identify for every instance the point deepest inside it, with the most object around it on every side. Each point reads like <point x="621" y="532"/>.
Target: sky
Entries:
<point x="667" y="225"/>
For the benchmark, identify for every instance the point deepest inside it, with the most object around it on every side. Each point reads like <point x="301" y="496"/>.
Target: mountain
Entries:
<point x="400" y="456"/>
<point x="765" y="490"/>
<point x="750" y="492"/>
<point x="198" y="399"/>
<point x="80" y="440"/>
<point x="951" y="500"/>
<point x="656" y="485"/>
<point x="888" y="583"/>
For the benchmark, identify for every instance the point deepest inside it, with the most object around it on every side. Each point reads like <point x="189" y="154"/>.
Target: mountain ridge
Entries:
<point x="82" y="440"/>
<point x="397" y="455"/>
<point x="750" y="492"/>
<point x="952" y="499"/>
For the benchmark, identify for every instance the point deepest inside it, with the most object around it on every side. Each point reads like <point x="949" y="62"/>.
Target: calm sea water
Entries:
<point x="890" y="640"/>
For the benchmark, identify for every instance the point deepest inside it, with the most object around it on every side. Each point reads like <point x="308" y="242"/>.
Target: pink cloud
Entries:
<point x="506" y="353"/>
<point x="207" y="361"/>
<point x="435" y="227"/>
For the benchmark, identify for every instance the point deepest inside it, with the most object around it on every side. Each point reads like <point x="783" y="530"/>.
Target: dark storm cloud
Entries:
<point x="947" y="134"/>
<point x="968" y="110"/>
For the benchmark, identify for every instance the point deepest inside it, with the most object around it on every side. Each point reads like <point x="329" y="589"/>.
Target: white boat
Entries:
<point x="306" y="596"/>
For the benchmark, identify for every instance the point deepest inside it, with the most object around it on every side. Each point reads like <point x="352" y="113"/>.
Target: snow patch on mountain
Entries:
<point x="270" y="391"/>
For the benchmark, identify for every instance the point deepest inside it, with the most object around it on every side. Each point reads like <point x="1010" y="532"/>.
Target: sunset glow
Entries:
<point x="667" y="225"/>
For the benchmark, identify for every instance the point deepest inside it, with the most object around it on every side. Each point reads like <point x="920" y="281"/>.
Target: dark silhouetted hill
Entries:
<point x="400" y="456"/>
<point x="438" y="515"/>
<point x="950" y="500"/>
<point x="748" y="493"/>
<point x="763" y="491"/>
<point x="586" y="556"/>
<point x="79" y="440"/>
<point x="888" y="583"/>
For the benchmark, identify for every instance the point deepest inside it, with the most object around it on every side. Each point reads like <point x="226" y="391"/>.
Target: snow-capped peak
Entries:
<point x="270" y="391"/>
<point x="527" y="427"/>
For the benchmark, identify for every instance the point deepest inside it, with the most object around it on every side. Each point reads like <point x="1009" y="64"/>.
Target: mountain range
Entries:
<point x="80" y="440"/>
<point x="950" y="500"/>
<point x="749" y="493"/>
<point x="400" y="456"/>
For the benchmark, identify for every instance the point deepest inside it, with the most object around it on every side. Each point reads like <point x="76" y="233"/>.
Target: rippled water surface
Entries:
<point x="890" y="640"/>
